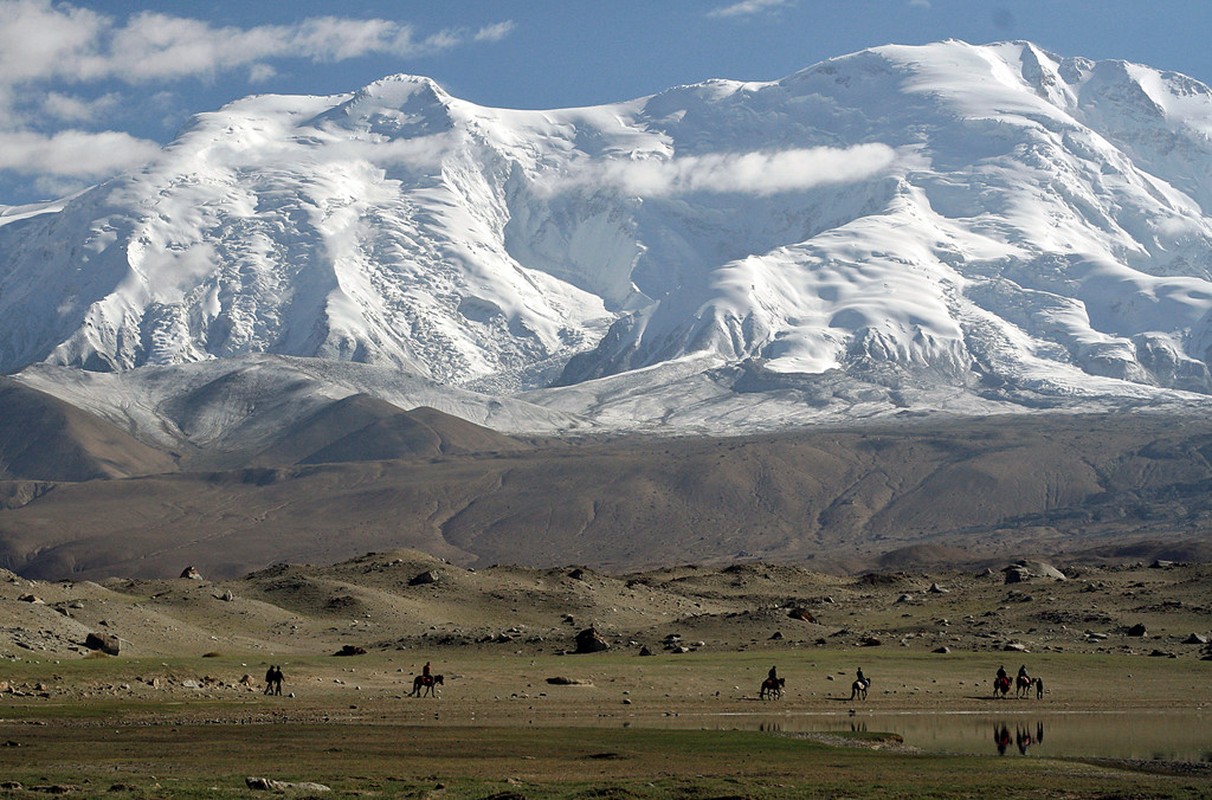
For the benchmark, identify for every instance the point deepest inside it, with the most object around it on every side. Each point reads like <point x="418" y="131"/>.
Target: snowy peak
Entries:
<point x="996" y="219"/>
<point x="393" y="107"/>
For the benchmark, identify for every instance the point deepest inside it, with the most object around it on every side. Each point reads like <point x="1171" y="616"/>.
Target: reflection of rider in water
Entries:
<point x="1023" y="740"/>
<point x="1001" y="737"/>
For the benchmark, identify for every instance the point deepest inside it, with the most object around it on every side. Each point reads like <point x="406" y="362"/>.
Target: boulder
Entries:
<point x="1138" y="630"/>
<point x="430" y="576"/>
<point x="270" y="785"/>
<point x="350" y="650"/>
<point x="590" y="641"/>
<point x="1196" y="638"/>
<point x="802" y="614"/>
<point x="1025" y="570"/>
<point x="105" y="642"/>
<point x="191" y="573"/>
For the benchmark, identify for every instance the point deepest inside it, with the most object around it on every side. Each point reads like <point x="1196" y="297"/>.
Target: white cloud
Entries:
<point x="41" y="41"/>
<point x="758" y="173"/>
<point x="46" y="45"/>
<point x="494" y="33"/>
<point x="746" y="7"/>
<point x="259" y="73"/>
<point x="70" y="108"/>
<point x="73" y="153"/>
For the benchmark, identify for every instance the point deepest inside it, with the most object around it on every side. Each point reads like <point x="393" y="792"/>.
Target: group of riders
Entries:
<point x="1023" y="682"/>
<point x="773" y="685"/>
<point x="425" y="683"/>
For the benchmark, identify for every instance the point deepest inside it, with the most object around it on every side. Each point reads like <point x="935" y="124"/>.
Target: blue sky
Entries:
<point x="89" y="89"/>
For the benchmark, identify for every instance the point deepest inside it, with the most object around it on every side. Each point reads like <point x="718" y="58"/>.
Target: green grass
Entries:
<point x="408" y="761"/>
<point x="185" y="745"/>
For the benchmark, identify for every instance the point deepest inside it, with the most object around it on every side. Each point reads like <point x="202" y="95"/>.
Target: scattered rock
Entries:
<point x="29" y="598"/>
<point x="577" y="574"/>
<point x="936" y="589"/>
<point x="226" y="597"/>
<point x="1138" y="630"/>
<point x="644" y="651"/>
<point x="1161" y="564"/>
<point x="905" y="598"/>
<point x="560" y="680"/>
<point x="270" y="785"/>
<point x="429" y="576"/>
<point x="801" y="614"/>
<point x="1021" y="571"/>
<point x="1196" y="638"/>
<point x="105" y="642"/>
<point x="191" y="573"/>
<point x="350" y="650"/>
<point x="776" y="636"/>
<point x="943" y="650"/>
<point x="590" y="641"/>
<point x="1015" y="647"/>
<point x="870" y="641"/>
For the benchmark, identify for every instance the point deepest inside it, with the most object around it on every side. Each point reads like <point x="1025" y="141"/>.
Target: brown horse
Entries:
<point x="858" y="690"/>
<point x="1001" y="686"/>
<point x="772" y="688"/>
<point x="426" y="685"/>
<point x="1023" y="686"/>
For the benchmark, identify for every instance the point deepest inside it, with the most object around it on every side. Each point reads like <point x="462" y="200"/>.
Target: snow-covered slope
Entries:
<point x="948" y="226"/>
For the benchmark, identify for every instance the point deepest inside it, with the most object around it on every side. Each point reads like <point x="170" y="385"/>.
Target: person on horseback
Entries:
<point x="773" y="676"/>
<point x="1001" y="672"/>
<point x="1022" y="671"/>
<point x="861" y="678"/>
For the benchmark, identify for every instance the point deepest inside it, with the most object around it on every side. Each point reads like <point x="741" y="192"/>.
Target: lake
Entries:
<point x="1172" y="735"/>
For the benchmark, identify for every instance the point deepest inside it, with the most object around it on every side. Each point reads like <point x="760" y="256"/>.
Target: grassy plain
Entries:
<point x="180" y="711"/>
<point x="625" y="727"/>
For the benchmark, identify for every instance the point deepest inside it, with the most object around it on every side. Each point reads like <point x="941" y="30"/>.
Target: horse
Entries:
<point x="858" y="690"/>
<point x="772" y="688"/>
<point x="1023" y="685"/>
<point x="1001" y="686"/>
<point x="426" y="683"/>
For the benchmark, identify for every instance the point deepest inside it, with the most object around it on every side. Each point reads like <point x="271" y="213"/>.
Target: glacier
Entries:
<point x="947" y="228"/>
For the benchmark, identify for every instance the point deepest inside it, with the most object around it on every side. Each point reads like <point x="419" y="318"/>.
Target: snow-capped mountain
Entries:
<point x="902" y="227"/>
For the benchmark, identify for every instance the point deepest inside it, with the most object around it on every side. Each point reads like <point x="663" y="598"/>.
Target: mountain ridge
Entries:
<point x="1016" y="226"/>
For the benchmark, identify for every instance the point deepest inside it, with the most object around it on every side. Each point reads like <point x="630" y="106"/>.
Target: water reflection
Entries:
<point x="1169" y="734"/>
<point x="1024" y="737"/>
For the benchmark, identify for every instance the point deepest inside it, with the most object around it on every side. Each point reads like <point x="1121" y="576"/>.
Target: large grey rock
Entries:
<point x="423" y="578"/>
<point x="105" y="642"/>
<point x="1021" y="571"/>
<point x="271" y="785"/>
<point x="590" y="641"/>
